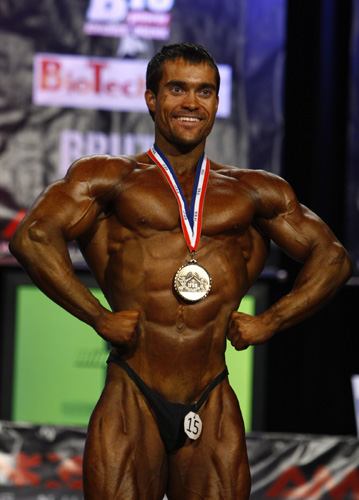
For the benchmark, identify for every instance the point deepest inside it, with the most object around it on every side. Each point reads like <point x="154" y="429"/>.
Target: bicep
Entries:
<point x="67" y="208"/>
<point x="298" y="235"/>
<point x="293" y="227"/>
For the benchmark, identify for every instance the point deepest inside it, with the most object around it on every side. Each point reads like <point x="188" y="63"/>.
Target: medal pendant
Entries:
<point x="192" y="282"/>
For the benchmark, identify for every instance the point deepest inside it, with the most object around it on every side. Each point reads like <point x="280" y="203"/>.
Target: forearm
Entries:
<point x="47" y="261"/>
<point x="321" y="277"/>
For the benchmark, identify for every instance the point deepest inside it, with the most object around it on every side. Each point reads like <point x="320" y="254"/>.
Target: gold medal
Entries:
<point x="192" y="282"/>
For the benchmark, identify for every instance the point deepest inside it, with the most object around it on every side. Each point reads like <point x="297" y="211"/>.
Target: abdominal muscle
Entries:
<point x="175" y="360"/>
<point x="180" y="347"/>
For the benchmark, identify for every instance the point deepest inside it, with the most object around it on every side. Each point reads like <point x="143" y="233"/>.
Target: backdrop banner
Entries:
<point x="44" y="463"/>
<point x="72" y="79"/>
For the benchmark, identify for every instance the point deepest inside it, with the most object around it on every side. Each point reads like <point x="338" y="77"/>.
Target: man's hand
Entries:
<point x="119" y="328"/>
<point x="245" y="330"/>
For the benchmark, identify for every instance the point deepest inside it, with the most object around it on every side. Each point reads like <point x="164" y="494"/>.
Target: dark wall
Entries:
<point x="309" y="366"/>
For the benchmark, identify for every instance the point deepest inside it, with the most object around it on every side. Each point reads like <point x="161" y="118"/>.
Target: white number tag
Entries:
<point x="192" y="425"/>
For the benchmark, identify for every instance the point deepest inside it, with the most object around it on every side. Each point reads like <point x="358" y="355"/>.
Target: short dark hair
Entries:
<point x="189" y="52"/>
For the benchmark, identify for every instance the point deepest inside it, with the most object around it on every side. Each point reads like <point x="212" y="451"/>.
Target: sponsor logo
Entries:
<point x="28" y="470"/>
<point x="87" y="82"/>
<point x="323" y="484"/>
<point x="149" y="19"/>
<point x="102" y="83"/>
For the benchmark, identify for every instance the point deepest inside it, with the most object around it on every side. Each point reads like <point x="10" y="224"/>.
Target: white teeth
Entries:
<point x="188" y="119"/>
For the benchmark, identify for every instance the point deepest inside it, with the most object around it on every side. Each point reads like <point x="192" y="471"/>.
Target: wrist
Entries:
<point x="100" y="320"/>
<point x="271" y="320"/>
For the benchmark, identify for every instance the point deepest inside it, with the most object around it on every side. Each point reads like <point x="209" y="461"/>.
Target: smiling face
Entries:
<point x="185" y="105"/>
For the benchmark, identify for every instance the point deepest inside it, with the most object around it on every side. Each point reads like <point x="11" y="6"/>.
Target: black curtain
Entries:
<point x="309" y="366"/>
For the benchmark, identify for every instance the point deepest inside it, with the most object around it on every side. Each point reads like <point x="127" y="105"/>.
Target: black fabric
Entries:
<point x="170" y="416"/>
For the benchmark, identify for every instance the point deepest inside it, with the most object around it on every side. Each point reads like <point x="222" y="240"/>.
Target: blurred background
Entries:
<point x="72" y="83"/>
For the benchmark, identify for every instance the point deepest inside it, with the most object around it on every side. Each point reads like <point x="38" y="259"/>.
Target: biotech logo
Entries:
<point x="149" y="19"/>
<point x="88" y="82"/>
<point x="102" y="83"/>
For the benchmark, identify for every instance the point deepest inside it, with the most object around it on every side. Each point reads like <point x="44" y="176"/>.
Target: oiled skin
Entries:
<point x="125" y="218"/>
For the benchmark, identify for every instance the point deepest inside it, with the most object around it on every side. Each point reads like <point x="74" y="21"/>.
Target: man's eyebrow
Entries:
<point x="208" y="85"/>
<point x="181" y="83"/>
<point x="175" y="83"/>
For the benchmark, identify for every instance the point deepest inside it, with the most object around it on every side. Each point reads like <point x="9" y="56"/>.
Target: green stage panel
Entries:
<point x="240" y="366"/>
<point x="60" y="363"/>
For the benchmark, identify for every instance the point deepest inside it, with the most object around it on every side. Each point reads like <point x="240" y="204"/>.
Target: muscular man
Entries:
<point x="137" y="221"/>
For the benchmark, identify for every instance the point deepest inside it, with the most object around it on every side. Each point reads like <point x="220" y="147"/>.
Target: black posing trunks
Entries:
<point x="170" y="416"/>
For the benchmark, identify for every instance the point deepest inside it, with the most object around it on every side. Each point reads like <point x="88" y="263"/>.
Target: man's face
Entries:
<point x="185" y="105"/>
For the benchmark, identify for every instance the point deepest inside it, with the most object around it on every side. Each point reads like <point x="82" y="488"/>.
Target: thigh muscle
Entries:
<point x="124" y="455"/>
<point x="215" y="467"/>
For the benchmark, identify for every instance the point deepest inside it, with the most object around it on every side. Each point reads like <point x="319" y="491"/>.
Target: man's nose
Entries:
<point x="190" y="101"/>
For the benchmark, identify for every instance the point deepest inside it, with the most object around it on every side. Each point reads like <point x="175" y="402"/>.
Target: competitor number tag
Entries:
<point x="192" y="425"/>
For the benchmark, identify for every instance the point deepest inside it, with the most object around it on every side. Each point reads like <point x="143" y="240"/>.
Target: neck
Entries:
<point x="183" y="160"/>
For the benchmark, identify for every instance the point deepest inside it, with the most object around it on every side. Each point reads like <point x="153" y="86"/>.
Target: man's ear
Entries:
<point x="150" y="99"/>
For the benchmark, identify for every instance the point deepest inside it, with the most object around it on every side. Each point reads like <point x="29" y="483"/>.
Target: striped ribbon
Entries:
<point x="191" y="219"/>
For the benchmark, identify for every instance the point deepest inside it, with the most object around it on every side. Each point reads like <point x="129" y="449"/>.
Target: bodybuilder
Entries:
<point x="174" y="241"/>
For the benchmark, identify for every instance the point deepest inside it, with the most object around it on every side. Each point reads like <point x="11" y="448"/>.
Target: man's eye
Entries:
<point x="176" y="90"/>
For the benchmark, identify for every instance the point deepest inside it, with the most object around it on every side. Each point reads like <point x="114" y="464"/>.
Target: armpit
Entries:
<point x="258" y="233"/>
<point x="105" y="213"/>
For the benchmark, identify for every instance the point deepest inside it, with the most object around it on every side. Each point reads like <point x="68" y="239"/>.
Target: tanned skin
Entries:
<point x="125" y="218"/>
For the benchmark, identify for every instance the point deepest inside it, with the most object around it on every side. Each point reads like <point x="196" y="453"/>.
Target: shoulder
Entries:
<point x="270" y="192"/>
<point x="102" y="173"/>
<point x="89" y="167"/>
<point x="253" y="177"/>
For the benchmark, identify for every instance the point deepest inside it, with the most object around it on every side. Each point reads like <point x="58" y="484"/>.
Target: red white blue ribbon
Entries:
<point x="191" y="219"/>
